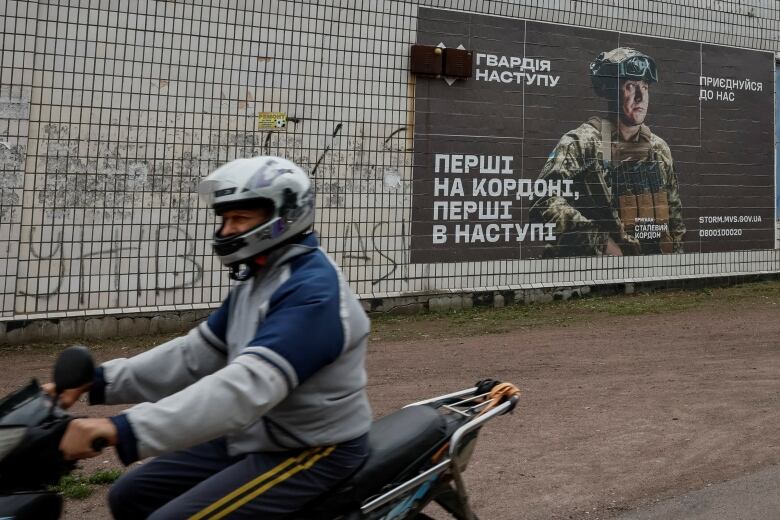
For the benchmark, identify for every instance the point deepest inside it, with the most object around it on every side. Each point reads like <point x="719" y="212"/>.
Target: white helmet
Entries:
<point x="271" y="182"/>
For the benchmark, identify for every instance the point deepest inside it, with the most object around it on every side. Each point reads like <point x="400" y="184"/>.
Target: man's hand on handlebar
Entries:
<point x="67" y="398"/>
<point x="77" y="443"/>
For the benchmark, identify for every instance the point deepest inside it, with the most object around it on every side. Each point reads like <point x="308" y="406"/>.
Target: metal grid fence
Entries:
<point x="111" y="111"/>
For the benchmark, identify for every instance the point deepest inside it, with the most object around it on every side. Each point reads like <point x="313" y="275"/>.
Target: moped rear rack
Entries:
<point x="477" y="411"/>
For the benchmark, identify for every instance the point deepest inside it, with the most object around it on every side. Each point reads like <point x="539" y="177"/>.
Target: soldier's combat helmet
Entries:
<point x="620" y="63"/>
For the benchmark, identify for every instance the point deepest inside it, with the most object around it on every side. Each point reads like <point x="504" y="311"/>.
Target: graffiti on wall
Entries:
<point x="89" y="187"/>
<point x="147" y="257"/>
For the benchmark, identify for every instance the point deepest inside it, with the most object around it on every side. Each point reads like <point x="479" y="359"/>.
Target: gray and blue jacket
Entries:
<point x="280" y="365"/>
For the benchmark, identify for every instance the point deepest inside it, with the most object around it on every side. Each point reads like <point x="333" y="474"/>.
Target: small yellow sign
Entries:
<point x="271" y="120"/>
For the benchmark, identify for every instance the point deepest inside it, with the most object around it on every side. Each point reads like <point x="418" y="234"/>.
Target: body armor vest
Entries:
<point x="637" y="193"/>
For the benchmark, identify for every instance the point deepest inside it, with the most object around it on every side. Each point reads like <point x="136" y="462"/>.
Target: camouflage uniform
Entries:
<point x="628" y="191"/>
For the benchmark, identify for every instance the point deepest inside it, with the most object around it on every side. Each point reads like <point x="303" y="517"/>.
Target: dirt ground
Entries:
<point x="617" y="412"/>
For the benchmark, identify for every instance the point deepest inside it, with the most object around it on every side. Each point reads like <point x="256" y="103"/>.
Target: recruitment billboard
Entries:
<point x="575" y="142"/>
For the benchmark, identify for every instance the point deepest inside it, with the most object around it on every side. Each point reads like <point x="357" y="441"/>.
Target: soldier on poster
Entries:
<point x="627" y="199"/>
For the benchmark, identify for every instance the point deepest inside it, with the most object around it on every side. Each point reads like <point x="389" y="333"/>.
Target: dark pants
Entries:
<point x="206" y="482"/>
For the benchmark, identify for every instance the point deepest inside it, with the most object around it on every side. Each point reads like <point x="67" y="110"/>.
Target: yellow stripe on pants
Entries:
<point x="255" y="482"/>
<point x="281" y="478"/>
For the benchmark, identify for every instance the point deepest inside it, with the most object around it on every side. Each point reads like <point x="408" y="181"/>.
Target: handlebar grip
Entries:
<point x="99" y="443"/>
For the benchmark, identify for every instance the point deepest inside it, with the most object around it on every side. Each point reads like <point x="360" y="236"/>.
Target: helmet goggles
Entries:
<point x="635" y="67"/>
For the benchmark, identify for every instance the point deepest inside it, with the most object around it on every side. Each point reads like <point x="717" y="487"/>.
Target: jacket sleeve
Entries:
<point x="165" y="369"/>
<point x="301" y="333"/>
<point x="567" y="162"/>
<point x="227" y="400"/>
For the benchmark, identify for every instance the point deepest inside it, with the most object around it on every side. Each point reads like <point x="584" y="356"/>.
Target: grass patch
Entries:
<point x="487" y="320"/>
<point x="79" y="487"/>
<point x="104" y="476"/>
<point x="96" y="345"/>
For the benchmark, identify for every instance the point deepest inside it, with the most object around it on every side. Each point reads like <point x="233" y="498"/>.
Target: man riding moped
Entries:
<point x="261" y="408"/>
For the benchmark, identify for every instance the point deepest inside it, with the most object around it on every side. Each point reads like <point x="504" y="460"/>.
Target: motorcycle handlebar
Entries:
<point x="99" y="444"/>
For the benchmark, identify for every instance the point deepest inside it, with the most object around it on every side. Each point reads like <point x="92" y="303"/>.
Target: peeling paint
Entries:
<point x="12" y="159"/>
<point x="14" y="108"/>
<point x="391" y="179"/>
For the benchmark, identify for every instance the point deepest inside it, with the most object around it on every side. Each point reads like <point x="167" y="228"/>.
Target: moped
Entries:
<point x="418" y="453"/>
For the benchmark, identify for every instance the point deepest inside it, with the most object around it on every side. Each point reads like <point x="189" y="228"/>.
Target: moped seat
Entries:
<point x="398" y="440"/>
<point x="401" y="444"/>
